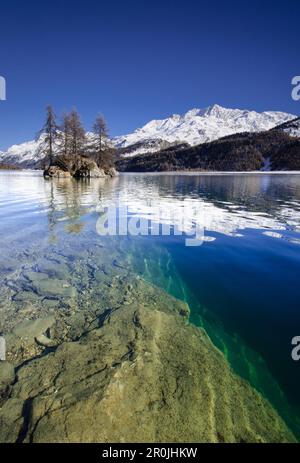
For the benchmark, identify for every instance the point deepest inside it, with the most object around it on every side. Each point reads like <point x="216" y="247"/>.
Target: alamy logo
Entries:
<point x="2" y="88"/>
<point x="156" y="220"/>
<point x="296" y="349"/>
<point x="2" y="348"/>
<point x="296" y="89"/>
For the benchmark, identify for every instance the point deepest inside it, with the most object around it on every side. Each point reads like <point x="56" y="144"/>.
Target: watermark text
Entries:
<point x="152" y="221"/>
<point x="296" y="88"/>
<point x="2" y="89"/>
<point x="296" y="348"/>
<point x="2" y="349"/>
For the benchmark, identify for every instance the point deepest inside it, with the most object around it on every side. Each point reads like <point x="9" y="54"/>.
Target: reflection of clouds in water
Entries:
<point x="272" y="234"/>
<point x="294" y="240"/>
<point x="227" y="220"/>
<point x="223" y="204"/>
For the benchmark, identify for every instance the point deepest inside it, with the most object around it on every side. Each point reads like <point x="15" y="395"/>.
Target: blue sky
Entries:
<point x="139" y="60"/>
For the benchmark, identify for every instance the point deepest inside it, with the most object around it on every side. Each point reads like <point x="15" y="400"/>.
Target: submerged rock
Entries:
<point x="21" y="342"/>
<point x="44" y="341"/>
<point x="34" y="276"/>
<point x="26" y="296"/>
<point x="53" y="269"/>
<point x="141" y="374"/>
<point x="51" y="303"/>
<point x="30" y="329"/>
<point x="54" y="288"/>
<point x="8" y="265"/>
<point x="7" y="374"/>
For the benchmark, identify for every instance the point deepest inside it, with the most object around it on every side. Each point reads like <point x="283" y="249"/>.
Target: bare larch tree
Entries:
<point x="77" y="137"/>
<point x="103" y="152"/>
<point x="65" y="135"/>
<point x="50" y="131"/>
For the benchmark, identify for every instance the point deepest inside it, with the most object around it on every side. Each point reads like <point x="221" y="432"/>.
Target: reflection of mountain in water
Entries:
<point x="229" y="202"/>
<point x="225" y="204"/>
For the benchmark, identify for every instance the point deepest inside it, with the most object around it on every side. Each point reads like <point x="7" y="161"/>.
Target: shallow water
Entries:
<point x="242" y="281"/>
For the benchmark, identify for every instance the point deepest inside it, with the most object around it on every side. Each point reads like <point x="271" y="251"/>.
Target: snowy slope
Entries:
<point x="195" y="127"/>
<point x="26" y="154"/>
<point x="292" y="128"/>
<point x="204" y="125"/>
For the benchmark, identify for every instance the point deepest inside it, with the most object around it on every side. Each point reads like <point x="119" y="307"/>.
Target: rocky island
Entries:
<point x="86" y="168"/>
<point x="68" y="152"/>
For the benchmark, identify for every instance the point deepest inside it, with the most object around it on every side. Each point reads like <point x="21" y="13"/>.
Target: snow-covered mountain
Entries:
<point x="149" y="145"/>
<point x="194" y="127"/>
<point x="26" y="154"/>
<point x="203" y="125"/>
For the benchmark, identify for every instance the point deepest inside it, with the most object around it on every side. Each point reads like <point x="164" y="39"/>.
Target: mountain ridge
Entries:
<point x="196" y="126"/>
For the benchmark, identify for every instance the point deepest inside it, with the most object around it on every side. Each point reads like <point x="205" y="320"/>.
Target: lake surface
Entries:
<point x="241" y="278"/>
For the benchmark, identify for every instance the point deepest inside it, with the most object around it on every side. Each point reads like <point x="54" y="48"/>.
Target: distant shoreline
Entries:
<point x="9" y="167"/>
<point x="183" y="172"/>
<point x="197" y="172"/>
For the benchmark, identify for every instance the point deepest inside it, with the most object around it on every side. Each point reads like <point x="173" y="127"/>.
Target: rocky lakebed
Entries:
<point x="95" y="353"/>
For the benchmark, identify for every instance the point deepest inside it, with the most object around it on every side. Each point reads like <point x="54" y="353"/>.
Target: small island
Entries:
<point x="71" y="152"/>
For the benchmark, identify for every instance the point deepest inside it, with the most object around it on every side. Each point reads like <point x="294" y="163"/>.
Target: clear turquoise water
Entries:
<point x="242" y="283"/>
